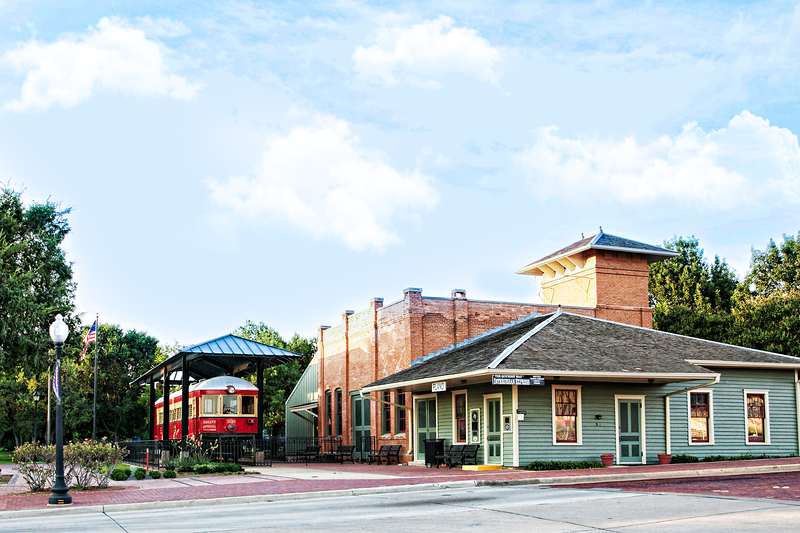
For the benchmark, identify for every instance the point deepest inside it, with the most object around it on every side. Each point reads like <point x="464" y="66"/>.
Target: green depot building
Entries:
<point x="572" y="383"/>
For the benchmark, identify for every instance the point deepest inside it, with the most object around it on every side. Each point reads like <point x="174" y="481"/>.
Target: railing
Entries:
<point x="258" y="452"/>
<point x="364" y="446"/>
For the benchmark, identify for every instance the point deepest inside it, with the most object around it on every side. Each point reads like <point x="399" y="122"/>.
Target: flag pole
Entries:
<point x="94" y="406"/>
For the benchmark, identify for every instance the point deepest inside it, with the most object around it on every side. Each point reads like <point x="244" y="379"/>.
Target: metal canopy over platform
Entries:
<point x="225" y="356"/>
<point x="228" y="355"/>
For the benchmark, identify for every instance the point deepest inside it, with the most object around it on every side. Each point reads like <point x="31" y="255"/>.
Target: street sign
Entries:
<point x="515" y="379"/>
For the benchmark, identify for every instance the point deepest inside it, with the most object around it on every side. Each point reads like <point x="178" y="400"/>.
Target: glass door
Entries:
<point x="494" y="441"/>
<point x="630" y="436"/>
<point x="426" y="423"/>
<point x="361" y="430"/>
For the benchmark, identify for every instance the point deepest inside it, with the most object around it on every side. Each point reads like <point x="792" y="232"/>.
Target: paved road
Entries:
<point x="501" y="509"/>
<point x="778" y="485"/>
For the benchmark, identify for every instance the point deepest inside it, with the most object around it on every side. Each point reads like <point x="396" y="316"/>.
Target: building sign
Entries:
<point x="439" y="386"/>
<point x="514" y="379"/>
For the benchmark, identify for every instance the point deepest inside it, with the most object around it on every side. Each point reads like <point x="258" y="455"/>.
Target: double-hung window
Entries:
<point x="757" y="411"/>
<point x="700" y="421"/>
<point x="386" y="409"/>
<point x="460" y="410"/>
<point x="401" y="412"/>
<point x="567" y="414"/>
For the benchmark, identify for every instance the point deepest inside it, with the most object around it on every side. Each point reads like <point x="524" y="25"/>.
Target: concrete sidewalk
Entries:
<point x="299" y="481"/>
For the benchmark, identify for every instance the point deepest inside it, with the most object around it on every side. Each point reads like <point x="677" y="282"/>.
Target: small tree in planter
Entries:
<point x="92" y="463"/>
<point x="36" y="464"/>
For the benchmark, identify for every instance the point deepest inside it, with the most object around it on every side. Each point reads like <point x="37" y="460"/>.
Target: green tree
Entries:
<point x="688" y="281"/>
<point x="775" y="271"/>
<point x="279" y="380"/>
<point x="35" y="280"/>
<point x="122" y="356"/>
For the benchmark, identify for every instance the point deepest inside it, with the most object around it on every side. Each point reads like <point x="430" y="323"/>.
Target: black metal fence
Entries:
<point x="257" y="452"/>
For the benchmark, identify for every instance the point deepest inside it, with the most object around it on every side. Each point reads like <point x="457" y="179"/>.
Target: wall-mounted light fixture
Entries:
<point x="598" y="417"/>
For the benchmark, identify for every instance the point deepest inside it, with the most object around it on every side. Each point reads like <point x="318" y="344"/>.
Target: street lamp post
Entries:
<point x="59" y="332"/>
<point x="36" y="416"/>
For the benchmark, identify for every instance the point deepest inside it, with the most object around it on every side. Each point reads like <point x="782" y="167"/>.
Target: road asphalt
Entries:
<point x="300" y="481"/>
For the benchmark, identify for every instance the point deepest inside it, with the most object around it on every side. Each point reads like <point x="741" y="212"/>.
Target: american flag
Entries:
<point x="90" y="337"/>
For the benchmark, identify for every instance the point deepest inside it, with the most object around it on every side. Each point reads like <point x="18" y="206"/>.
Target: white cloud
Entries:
<point x="319" y="178"/>
<point x="747" y="161"/>
<point x="111" y="56"/>
<point x="161" y="27"/>
<point x="417" y="54"/>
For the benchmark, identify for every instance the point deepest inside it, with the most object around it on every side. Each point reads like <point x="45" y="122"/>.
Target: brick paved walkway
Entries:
<point x="288" y="479"/>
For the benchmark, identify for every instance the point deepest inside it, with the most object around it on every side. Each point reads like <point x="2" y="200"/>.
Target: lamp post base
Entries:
<point x="59" y="501"/>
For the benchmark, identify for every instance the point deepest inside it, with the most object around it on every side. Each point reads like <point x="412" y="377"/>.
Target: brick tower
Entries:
<point x="606" y="272"/>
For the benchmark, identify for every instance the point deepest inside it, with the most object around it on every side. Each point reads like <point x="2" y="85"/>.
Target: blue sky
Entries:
<point x="283" y="163"/>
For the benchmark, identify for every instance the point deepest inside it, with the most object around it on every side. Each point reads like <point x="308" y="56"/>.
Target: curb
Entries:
<point x="420" y="487"/>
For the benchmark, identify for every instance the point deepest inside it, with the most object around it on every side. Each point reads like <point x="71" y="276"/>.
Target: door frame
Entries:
<point x="486" y="398"/>
<point x="642" y="418"/>
<point x="413" y="439"/>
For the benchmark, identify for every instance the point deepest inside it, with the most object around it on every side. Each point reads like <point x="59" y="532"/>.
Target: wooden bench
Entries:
<point x="342" y="454"/>
<point x="452" y="454"/>
<point x="311" y="453"/>
<point x="394" y="453"/>
<point x="388" y="452"/>
<point x="382" y="452"/>
<point x="468" y="453"/>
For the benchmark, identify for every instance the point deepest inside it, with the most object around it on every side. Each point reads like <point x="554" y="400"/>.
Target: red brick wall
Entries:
<point x="350" y="357"/>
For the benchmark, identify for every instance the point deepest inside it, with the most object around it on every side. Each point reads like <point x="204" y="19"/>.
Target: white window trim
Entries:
<point x="466" y="406"/>
<point x="766" y="418"/>
<point x="486" y="398"/>
<point x="413" y="421"/>
<point x="710" y="393"/>
<point x="642" y="428"/>
<point x="579" y="418"/>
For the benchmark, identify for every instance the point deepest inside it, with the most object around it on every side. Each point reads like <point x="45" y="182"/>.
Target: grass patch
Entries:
<point x="5" y="458"/>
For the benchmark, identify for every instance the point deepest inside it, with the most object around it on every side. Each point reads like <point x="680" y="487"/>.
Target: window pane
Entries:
<point x="230" y="405"/>
<point x="248" y="405"/>
<point x="566" y="431"/>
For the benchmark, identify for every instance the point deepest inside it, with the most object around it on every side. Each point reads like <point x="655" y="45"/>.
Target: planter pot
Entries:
<point x="607" y="459"/>
<point x="664" y="458"/>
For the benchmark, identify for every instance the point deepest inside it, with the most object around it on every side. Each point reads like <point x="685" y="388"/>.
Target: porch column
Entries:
<point x="184" y="402"/>
<point x="152" y="410"/>
<point x="165" y="421"/>
<point x="260" y="403"/>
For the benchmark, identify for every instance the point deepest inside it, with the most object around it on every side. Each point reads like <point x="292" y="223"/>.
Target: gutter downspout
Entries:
<point x="797" y="400"/>
<point x="515" y="422"/>
<point x="687" y="389"/>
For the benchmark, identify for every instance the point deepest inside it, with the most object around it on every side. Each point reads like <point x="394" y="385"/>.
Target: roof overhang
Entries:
<point x="740" y="364"/>
<point x="311" y="408"/>
<point x="485" y="375"/>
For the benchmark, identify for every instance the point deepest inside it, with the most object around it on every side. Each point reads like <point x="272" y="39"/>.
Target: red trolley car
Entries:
<point x="221" y="406"/>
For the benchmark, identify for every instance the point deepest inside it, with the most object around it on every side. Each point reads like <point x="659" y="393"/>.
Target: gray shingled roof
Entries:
<point x="604" y="241"/>
<point x="575" y="343"/>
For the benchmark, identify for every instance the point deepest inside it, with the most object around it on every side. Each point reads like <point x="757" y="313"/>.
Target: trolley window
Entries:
<point x="248" y="405"/>
<point x="230" y="405"/>
<point x="210" y="405"/>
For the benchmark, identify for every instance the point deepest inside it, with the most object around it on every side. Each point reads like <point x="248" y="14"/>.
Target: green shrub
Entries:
<point x="119" y="475"/>
<point x="155" y="474"/>
<point x="204" y="468"/>
<point x="170" y="474"/>
<point x="140" y="473"/>
<point x="562" y="465"/>
<point x="233" y="467"/>
<point x="683" y="458"/>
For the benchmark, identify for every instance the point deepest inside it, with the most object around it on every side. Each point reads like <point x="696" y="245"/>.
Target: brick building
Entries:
<point x="602" y="276"/>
